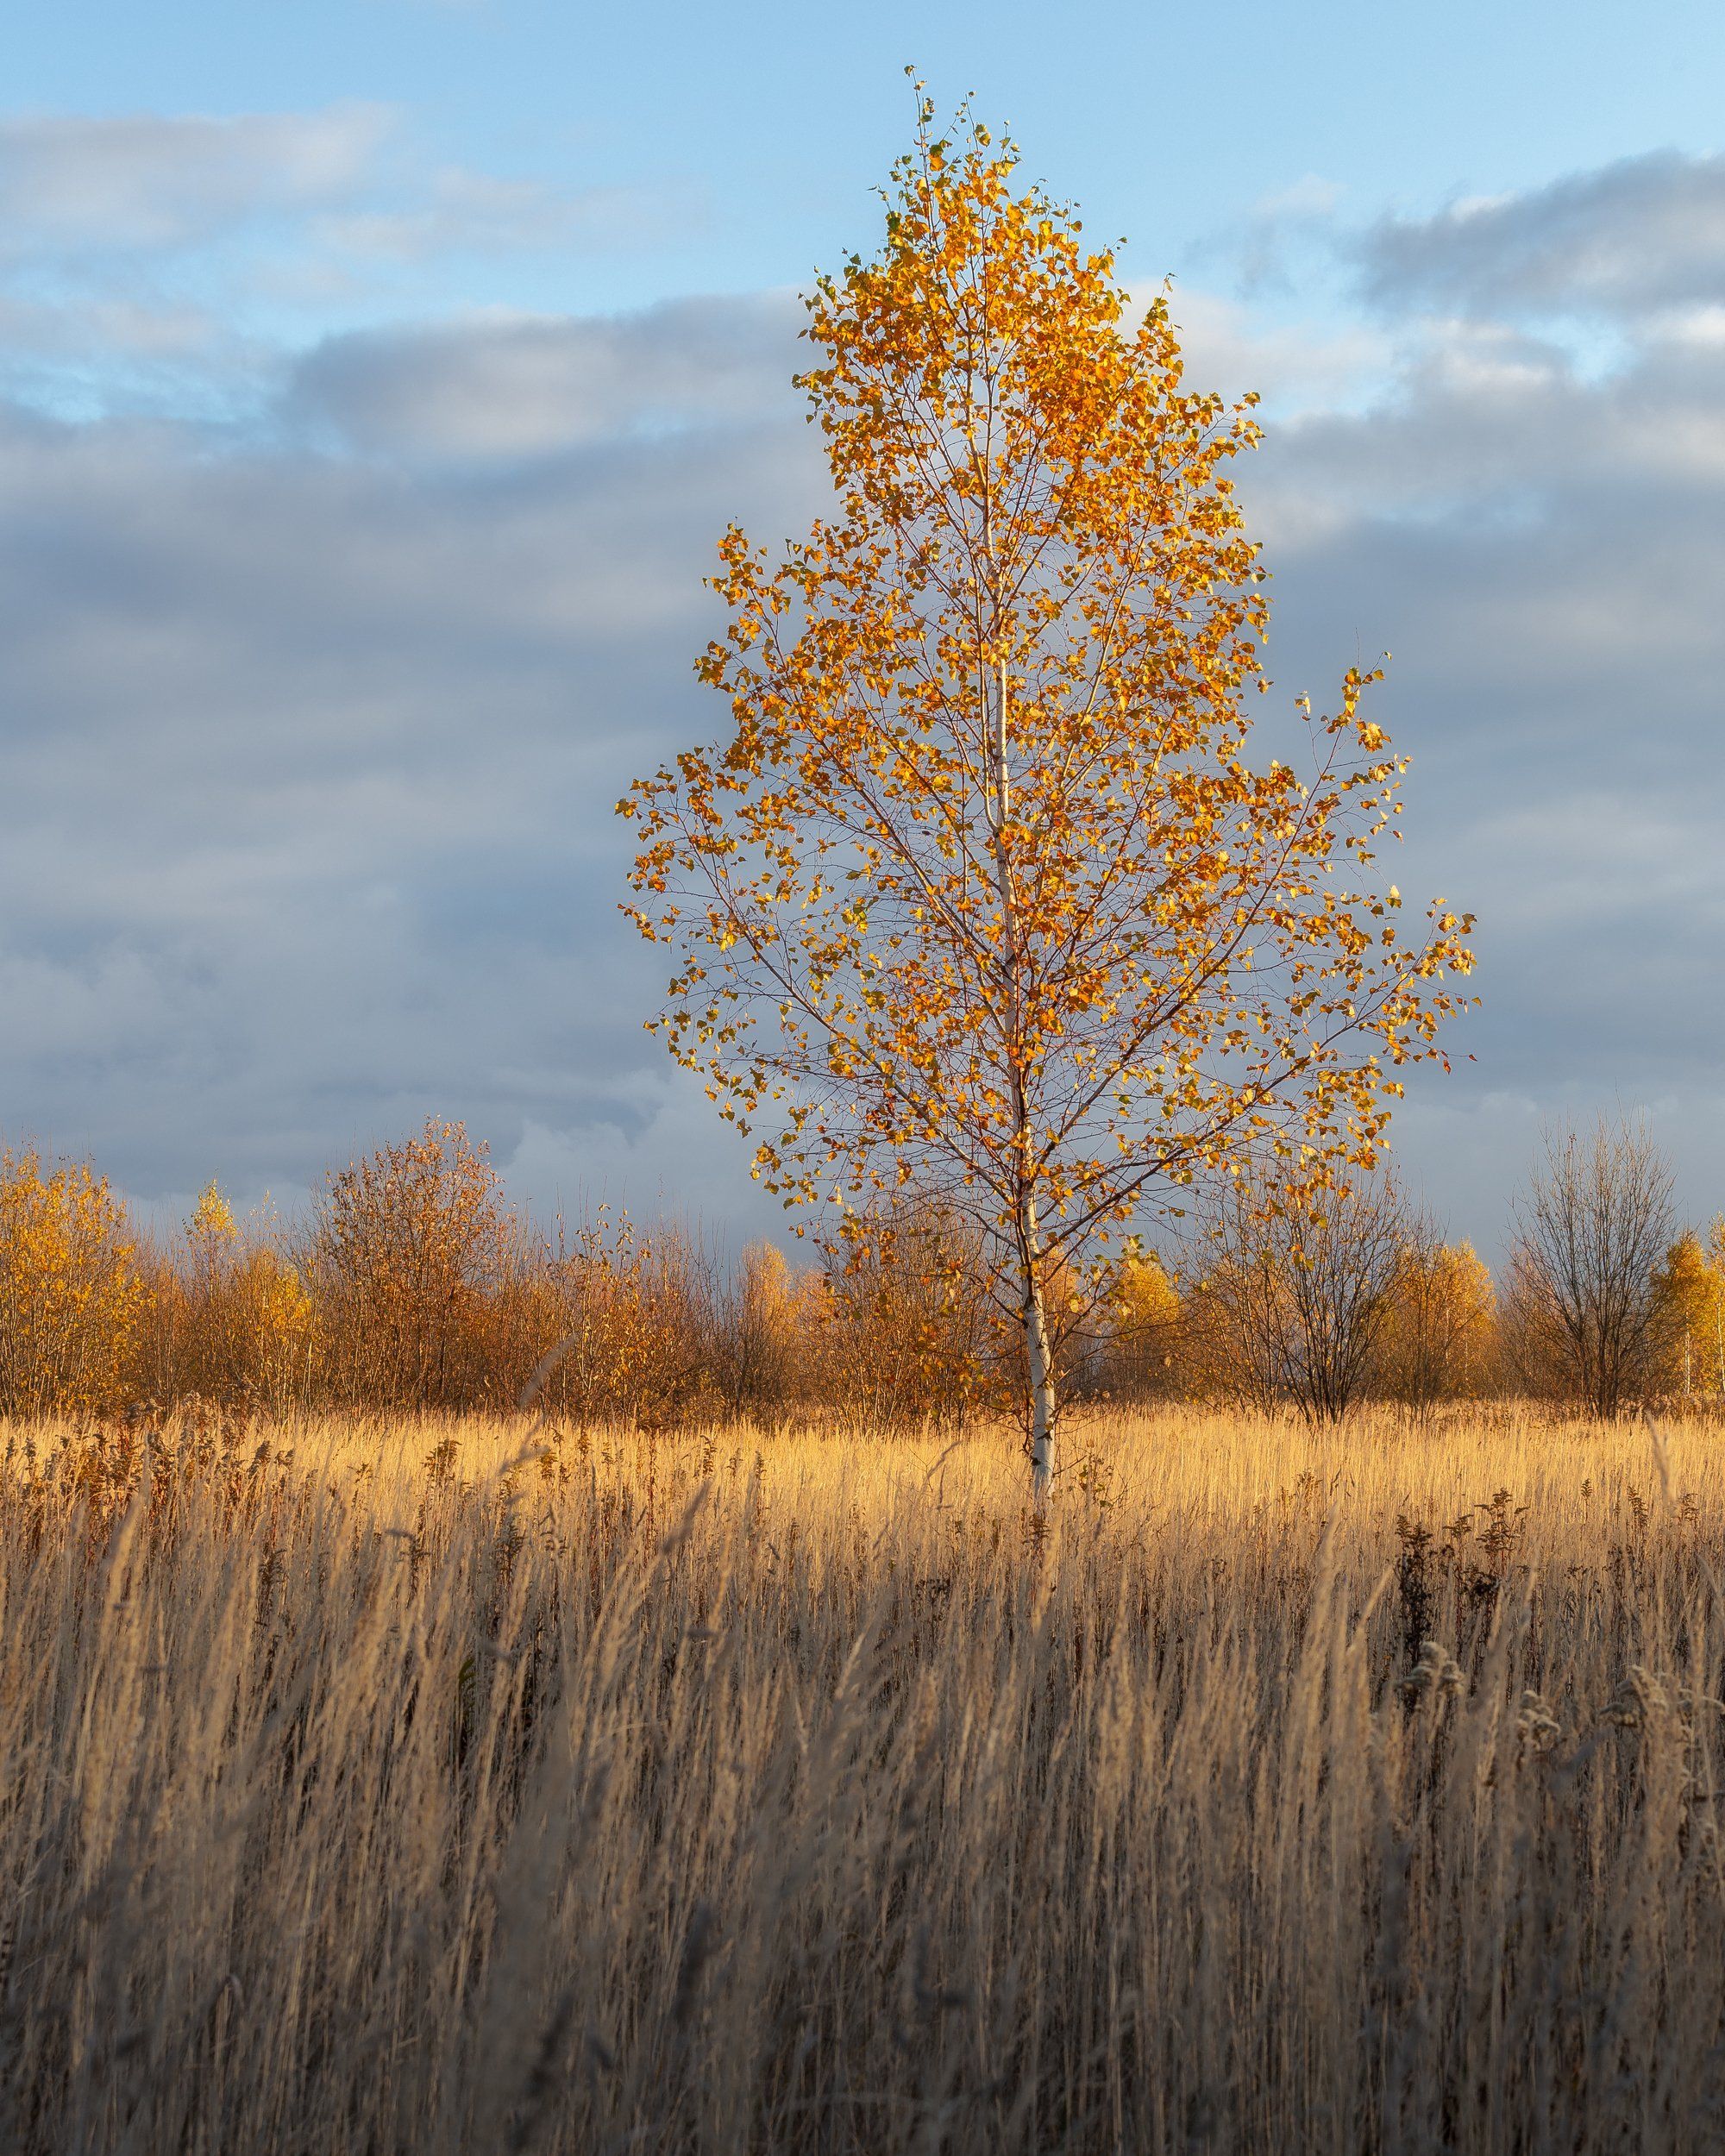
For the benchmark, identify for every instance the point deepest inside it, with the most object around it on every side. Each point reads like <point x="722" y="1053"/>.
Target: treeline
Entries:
<point x="414" y="1284"/>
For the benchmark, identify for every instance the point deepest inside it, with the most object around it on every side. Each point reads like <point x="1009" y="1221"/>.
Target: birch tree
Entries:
<point x="984" y="892"/>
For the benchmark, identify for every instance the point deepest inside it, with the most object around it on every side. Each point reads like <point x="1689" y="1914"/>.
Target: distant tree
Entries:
<point x="1439" y="1336"/>
<point x="907" y="1326"/>
<point x="1137" y="1355"/>
<point x="72" y="1296"/>
<point x="642" y="1334"/>
<point x="232" y="1319"/>
<point x="1585" y="1317"/>
<point x="408" y="1249"/>
<point x="1690" y="1288"/>
<point x="766" y="1320"/>
<point x="1297" y="1292"/>
<point x="982" y="894"/>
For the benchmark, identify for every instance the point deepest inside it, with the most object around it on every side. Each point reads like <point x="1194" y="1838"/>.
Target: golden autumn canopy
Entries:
<point x="984" y="890"/>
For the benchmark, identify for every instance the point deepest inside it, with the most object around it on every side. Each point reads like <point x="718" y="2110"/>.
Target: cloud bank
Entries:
<point x="315" y="708"/>
<point x="1639" y="236"/>
<point x="147" y="181"/>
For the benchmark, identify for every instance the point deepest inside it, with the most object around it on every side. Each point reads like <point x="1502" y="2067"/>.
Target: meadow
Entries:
<point x="470" y="1785"/>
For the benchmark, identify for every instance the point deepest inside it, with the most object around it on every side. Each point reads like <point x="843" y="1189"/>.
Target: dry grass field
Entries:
<point x="455" y="1787"/>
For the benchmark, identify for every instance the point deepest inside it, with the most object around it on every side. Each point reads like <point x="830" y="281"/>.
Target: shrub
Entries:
<point x="71" y="1293"/>
<point x="409" y="1253"/>
<point x="232" y="1318"/>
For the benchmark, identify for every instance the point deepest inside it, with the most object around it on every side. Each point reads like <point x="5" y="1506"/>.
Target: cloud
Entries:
<point x="1294" y="367"/>
<point x="512" y="386"/>
<point x="456" y="211"/>
<point x="1311" y="196"/>
<point x="120" y="329"/>
<point x="309" y="761"/>
<point x="1533" y="521"/>
<point x="1644" y="233"/>
<point x="149" y="181"/>
<point x="1541" y="550"/>
<point x="312" y="725"/>
<point x="148" y="260"/>
<point x="349" y="177"/>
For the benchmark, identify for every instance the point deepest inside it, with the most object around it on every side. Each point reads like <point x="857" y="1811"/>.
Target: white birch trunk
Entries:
<point x="1038" y="1354"/>
<point x="1041" y="1361"/>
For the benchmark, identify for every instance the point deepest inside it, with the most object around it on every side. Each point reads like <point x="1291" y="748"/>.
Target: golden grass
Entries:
<point x="744" y="1791"/>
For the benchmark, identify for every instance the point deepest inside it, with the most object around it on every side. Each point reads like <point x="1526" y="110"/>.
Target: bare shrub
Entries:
<point x="1296" y="1293"/>
<point x="1583" y="1320"/>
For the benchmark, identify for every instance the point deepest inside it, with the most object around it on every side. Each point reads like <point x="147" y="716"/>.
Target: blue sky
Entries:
<point x="374" y="379"/>
<point x="771" y="122"/>
<point x="716" y="150"/>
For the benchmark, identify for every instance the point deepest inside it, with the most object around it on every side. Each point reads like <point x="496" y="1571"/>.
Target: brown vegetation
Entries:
<point x="1586" y="1319"/>
<point x="416" y="1286"/>
<point x="434" y="1786"/>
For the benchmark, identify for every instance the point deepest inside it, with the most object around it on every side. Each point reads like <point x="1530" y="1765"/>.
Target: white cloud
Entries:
<point x="458" y="211"/>
<point x="1295" y="368"/>
<point x="1309" y="197"/>
<point x="144" y="258"/>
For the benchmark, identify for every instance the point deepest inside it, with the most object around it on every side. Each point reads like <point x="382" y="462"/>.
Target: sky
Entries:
<point x="375" y="380"/>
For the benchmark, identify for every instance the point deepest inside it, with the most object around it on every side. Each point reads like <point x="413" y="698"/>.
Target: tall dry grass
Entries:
<point x="370" y="1787"/>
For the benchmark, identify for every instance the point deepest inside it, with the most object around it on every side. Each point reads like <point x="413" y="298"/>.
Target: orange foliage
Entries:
<point x="911" y="1336"/>
<point x="636" y="1326"/>
<point x="1140" y="1350"/>
<point x="418" y="1286"/>
<point x="232" y="1319"/>
<point x="984" y="893"/>
<point x="1440" y="1335"/>
<point x="71" y="1296"/>
<point x="1690" y="1288"/>
<point x="411" y="1257"/>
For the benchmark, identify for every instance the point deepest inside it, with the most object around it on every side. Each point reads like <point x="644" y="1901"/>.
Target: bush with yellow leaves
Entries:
<point x="73" y="1297"/>
<point x="231" y="1317"/>
<point x="411" y="1257"/>
<point x="1691" y="1290"/>
<point x="1439" y="1336"/>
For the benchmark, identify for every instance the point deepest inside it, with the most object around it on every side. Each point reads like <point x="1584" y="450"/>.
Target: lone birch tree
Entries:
<point x="982" y="895"/>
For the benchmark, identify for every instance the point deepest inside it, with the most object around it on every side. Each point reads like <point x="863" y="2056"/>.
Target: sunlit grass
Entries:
<point x="471" y="1786"/>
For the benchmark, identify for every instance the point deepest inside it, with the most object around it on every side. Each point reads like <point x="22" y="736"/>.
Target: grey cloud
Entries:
<point x="309" y="751"/>
<point x="1647" y="233"/>
<point x="1543" y="554"/>
<point x="309" y="763"/>
<point x="148" y="180"/>
<point x="528" y="385"/>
